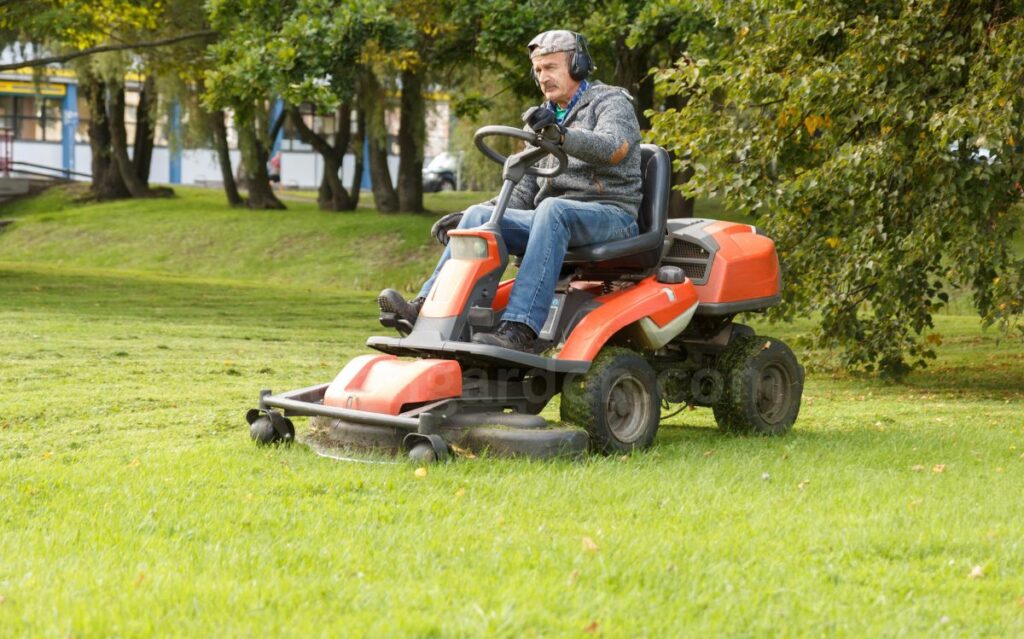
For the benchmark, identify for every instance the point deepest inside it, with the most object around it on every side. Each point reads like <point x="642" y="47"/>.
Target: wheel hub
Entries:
<point x="772" y="391"/>
<point x="627" y="407"/>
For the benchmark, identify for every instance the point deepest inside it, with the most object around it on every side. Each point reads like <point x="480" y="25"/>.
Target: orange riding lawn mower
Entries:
<point x="635" y="324"/>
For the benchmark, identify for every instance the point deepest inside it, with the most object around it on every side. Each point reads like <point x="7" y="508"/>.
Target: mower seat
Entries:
<point x="642" y="252"/>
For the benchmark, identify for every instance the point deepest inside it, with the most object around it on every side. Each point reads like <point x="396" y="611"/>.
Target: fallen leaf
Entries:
<point x="135" y="463"/>
<point x="624" y="458"/>
<point x="803" y="484"/>
<point x="421" y="472"/>
<point x="999" y="469"/>
<point x="573" y="576"/>
<point x="709" y="453"/>
<point x="917" y="468"/>
<point x="589" y="545"/>
<point x="1020" y="602"/>
<point x="592" y="627"/>
<point x="48" y="454"/>
<point x="460" y="492"/>
<point x="939" y="468"/>
<point x="765" y="476"/>
<point x="3" y="599"/>
<point x="976" y="573"/>
<point x="462" y="452"/>
<point x="138" y="580"/>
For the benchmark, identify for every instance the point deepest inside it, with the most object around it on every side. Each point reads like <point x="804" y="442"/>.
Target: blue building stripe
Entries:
<point x="70" y="128"/>
<point x="175" y="143"/>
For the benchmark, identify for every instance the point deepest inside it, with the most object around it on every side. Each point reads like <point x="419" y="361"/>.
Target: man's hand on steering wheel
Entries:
<point x="544" y="122"/>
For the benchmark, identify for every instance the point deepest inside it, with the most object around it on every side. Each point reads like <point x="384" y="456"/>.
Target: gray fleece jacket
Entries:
<point x="602" y="140"/>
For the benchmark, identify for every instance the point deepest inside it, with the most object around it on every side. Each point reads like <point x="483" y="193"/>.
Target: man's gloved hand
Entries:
<point x="544" y="121"/>
<point x="441" y="227"/>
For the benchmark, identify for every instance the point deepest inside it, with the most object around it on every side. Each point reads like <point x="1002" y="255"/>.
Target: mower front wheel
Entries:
<point x="761" y="387"/>
<point x="617" y="402"/>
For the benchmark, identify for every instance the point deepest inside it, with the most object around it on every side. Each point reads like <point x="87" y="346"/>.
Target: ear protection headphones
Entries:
<point x="580" y="64"/>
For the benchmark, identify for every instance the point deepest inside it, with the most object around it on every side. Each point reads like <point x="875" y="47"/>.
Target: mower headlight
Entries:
<point x="468" y="248"/>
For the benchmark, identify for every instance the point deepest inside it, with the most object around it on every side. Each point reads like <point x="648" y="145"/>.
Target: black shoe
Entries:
<point x="509" y="335"/>
<point x="391" y="301"/>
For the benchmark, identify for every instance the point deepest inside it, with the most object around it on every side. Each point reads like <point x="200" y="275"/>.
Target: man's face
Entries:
<point x="553" y="74"/>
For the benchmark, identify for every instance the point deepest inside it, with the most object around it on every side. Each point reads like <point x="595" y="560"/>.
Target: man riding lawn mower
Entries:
<point x="614" y="307"/>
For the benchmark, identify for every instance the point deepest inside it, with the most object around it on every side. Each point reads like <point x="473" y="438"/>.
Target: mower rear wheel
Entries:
<point x="617" y="401"/>
<point x="761" y="387"/>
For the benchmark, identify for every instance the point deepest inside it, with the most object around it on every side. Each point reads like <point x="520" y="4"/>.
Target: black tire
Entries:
<point x="617" y="402"/>
<point x="446" y="185"/>
<point x="761" y="387"/>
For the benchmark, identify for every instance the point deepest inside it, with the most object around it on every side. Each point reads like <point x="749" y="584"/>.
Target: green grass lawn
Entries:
<point x="132" y="503"/>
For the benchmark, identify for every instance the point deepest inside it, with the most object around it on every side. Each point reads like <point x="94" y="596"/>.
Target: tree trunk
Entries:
<point x="142" y="158"/>
<point x="220" y="138"/>
<point x="384" y="194"/>
<point x="678" y="206"/>
<point x="106" y="179"/>
<point x="411" y="136"/>
<point x="357" y="153"/>
<point x="372" y="95"/>
<point x="119" y="139"/>
<point x="254" y="161"/>
<point x="332" y="195"/>
<point x="631" y="73"/>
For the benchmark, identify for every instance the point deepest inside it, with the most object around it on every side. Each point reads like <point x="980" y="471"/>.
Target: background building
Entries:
<point x="48" y="122"/>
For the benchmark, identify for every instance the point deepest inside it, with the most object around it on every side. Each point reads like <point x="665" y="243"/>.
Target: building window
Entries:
<point x="32" y="118"/>
<point x="84" y="117"/>
<point x="131" y="109"/>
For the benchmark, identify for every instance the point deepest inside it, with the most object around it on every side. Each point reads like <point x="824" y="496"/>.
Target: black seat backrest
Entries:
<point x="643" y="251"/>
<point x="656" y="168"/>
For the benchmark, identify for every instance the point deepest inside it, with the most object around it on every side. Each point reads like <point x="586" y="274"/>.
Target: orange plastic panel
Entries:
<point x="384" y="383"/>
<point x="458" y="277"/>
<point x="502" y="294"/>
<point x="650" y="298"/>
<point x="745" y="267"/>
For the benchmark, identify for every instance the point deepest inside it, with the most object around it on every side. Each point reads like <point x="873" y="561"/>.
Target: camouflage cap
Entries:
<point x="552" y="41"/>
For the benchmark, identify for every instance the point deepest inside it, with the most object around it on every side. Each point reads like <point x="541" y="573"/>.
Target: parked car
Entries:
<point x="442" y="173"/>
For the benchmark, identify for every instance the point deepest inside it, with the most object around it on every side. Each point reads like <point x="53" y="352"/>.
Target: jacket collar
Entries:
<point x="576" y="99"/>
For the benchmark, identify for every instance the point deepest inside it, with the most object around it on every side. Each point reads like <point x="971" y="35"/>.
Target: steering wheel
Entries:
<point x="528" y="157"/>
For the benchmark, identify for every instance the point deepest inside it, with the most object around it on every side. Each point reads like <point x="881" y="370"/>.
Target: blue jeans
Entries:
<point x="542" y="237"/>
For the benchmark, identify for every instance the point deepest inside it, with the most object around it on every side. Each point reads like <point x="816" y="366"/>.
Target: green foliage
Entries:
<point x="852" y="132"/>
<point x="301" y="51"/>
<point x="76" y="24"/>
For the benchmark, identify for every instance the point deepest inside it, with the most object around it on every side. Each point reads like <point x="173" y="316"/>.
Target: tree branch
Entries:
<point x="39" y="62"/>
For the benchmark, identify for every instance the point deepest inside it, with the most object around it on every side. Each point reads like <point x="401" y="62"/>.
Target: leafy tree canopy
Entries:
<point x="879" y="143"/>
<point x="302" y="51"/>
